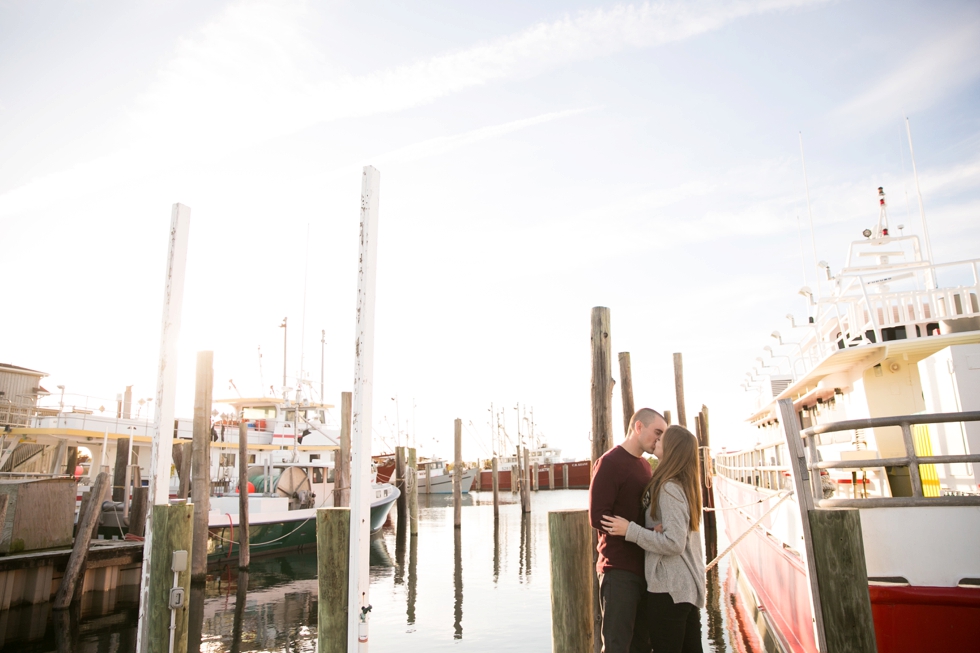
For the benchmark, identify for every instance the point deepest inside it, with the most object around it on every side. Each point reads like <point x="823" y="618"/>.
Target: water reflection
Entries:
<point x="524" y="566"/>
<point x="413" y="560"/>
<point x="496" y="550"/>
<point x="241" y="596"/>
<point x="458" y="582"/>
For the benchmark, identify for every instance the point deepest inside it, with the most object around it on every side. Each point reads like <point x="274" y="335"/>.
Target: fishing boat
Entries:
<point x="282" y="504"/>
<point x="882" y="385"/>
<point x="433" y="476"/>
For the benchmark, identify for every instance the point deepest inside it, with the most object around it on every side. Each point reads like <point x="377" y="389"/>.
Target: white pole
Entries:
<point x="361" y="418"/>
<point x="161" y="453"/>
<point x="813" y="236"/>
<point x="922" y="212"/>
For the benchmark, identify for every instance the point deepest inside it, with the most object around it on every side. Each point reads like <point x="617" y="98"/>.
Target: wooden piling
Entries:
<point x="564" y="475"/>
<point x="119" y="470"/>
<point x="342" y="460"/>
<point x="201" y="465"/>
<point x="679" y="389"/>
<point x="535" y="477"/>
<point x="496" y="488"/>
<point x="172" y="528"/>
<point x="243" y="546"/>
<point x="667" y="417"/>
<point x="626" y="389"/>
<point x="183" y="452"/>
<point x="526" y="483"/>
<point x="333" y="576"/>
<point x="137" y="517"/>
<point x="413" y="494"/>
<point x="3" y="507"/>
<point x="707" y="482"/>
<point x="87" y="525"/>
<point x="399" y="482"/>
<point x="457" y="472"/>
<point x="601" y="437"/>
<point x="551" y="476"/>
<point x="572" y="624"/>
<point x="515" y="477"/>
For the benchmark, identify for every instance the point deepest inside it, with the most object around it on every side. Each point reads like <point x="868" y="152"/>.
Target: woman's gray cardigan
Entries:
<point x="674" y="562"/>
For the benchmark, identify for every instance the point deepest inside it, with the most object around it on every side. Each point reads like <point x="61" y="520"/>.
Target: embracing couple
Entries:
<point x="651" y="566"/>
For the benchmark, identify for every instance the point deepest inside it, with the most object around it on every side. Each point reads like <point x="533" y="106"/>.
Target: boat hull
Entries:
<point x="443" y="484"/>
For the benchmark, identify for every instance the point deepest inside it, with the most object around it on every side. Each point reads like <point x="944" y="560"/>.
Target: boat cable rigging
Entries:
<point x="751" y="528"/>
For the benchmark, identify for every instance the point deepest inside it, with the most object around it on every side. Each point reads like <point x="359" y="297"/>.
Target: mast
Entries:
<point x="922" y="213"/>
<point x="813" y="238"/>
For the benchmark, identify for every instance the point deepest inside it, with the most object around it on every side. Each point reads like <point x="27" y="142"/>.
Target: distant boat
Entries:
<point x="439" y="480"/>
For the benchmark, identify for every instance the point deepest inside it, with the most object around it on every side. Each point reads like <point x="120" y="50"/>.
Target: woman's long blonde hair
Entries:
<point x="679" y="463"/>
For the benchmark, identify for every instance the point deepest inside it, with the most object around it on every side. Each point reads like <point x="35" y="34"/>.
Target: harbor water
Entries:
<point x="482" y="587"/>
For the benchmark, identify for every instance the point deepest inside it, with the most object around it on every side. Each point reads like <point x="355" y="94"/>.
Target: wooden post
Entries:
<point x="496" y="488"/>
<point x="526" y="483"/>
<point x="342" y="475"/>
<point x="413" y="494"/>
<point x="667" y="417"/>
<point x="201" y="487"/>
<point x="184" y="457"/>
<point x="535" y="477"/>
<point x="457" y="472"/>
<point x="515" y="477"/>
<point x="551" y="476"/>
<point x="137" y="518"/>
<point x="402" y="501"/>
<point x="333" y="576"/>
<point x="87" y="525"/>
<point x="358" y="597"/>
<point x="679" y="389"/>
<point x="842" y="575"/>
<point x="172" y="528"/>
<point x="564" y="474"/>
<point x="119" y="470"/>
<point x="707" y="485"/>
<point x="3" y="507"/>
<point x="59" y="453"/>
<point x="626" y="389"/>
<point x="428" y="480"/>
<point x="601" y="437"/>
<point x="243" y="545"/>
<point x="572" y="627"/>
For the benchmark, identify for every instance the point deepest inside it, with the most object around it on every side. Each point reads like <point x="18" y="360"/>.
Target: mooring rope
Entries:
<point x="747" y="531"/>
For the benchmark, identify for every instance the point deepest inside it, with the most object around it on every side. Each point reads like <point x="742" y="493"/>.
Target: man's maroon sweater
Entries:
<point x="618" y="481"/>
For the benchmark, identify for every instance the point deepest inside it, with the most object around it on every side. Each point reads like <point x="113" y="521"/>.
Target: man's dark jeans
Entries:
<point x="620" y="594"/>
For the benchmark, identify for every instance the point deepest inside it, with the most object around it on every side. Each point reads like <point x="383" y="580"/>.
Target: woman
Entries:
<point x="674" y="562"/>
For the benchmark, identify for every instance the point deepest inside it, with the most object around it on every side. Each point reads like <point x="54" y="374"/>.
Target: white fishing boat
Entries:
<point x="434" y="478"/>
<point x="883" y="380"/>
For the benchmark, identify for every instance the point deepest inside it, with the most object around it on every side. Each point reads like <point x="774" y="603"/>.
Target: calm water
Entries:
<point x="483" y="587"/>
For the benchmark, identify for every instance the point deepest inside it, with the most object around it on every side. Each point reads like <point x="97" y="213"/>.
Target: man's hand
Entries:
<point x="615" y="525"/>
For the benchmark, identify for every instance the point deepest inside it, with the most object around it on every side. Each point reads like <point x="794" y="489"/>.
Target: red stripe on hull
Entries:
<point x="916" y="619"/>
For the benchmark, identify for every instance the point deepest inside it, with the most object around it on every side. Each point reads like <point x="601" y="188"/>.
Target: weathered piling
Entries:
<point x="679" y="389"/>
<point x="201" y="486"/>
<point x="526" y="483"/>
<point x="342" y="460"/>
<point x="243" y="547"/>
<point x="137" y="517"/>
<point x="536" y="477"/>
<point x="601" y="438"/>
<point x="119" y="489"/>
<point x="172" y="526"/>
<point x="411" y="472"/>
<point x="515" y="478"/>
<point x="626" y="389"/>
<point x="182" y="453"/>
<point x="667" y="417"/>
<point x="551" y="476"/>
<point x="496" y="488"/>
<point x="572" y="625"/>
<point x="707" y="485"/>
<point x="457" y="472"/>
<point x="399" y="482"/>
<point x="87" y="525"/>
<point x="564" y="476"/>
<point x="333" y="576"/>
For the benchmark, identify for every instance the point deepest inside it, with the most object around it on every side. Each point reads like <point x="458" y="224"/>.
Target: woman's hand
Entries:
<point x="659" y="528"/>
<point x="615" y="525"/>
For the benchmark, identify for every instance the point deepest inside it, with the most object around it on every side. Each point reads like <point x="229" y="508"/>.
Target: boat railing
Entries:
<point x="911" y="460"/>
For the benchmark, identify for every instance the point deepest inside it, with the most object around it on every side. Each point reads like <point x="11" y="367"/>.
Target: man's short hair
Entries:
<point x="644" y="416"/>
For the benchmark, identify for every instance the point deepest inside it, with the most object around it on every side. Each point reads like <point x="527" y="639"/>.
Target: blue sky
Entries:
<point x="536" y="159"/>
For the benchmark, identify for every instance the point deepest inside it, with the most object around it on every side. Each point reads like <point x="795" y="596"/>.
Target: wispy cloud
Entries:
<point x="927" y="75"/>
<point x="256" y="72"/>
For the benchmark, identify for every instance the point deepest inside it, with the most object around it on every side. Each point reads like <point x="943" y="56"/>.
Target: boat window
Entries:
<point x="259" y="412"/>
<point x="318" y="475"/>
<point x="227" y="460"/>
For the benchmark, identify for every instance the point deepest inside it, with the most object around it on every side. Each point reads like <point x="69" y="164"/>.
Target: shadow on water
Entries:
<point x="273" y="607"/>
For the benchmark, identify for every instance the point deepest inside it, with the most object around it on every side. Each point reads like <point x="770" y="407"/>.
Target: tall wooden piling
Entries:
<point x="496" y="488"/>
<point x="707" y="485"/>
<point x="399" y="481"/>
<point x="515" y="477"/>
<point x="243" y="546"/>
<point x="601" y="436"/>
<point x="201" y="487"/>
<point x="572" y="624"/>
<point x="119" y="490"/>
<point x="679" y="389"/>
<point x="667" y="417"/>
<point x="526" y="483"/>
<point x="183" y="453"/>
<point x="535" y="477"/>
<point x="457" y="472"/>
<point x="551" y="476"/>
<point x="626" y="389"/>
<point x="137" y="517"/>
<point x="341" y="493"/>
<point x="564" y="476"/>
<point x="413" y="493"/>
<point x="87" y="525"/>
<point x="333" y="576"/>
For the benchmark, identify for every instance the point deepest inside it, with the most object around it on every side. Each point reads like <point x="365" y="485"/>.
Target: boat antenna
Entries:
<point x="302" y="328"/>
<point x="285" y="330"/>
<point x="922" y="212"/>
<point x="905" y="188"/>
<point x="813" y="238"/>
<point x="799" y="228"/>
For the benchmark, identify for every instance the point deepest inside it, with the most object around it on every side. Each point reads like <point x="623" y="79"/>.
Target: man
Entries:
<point x="618" y="480"/>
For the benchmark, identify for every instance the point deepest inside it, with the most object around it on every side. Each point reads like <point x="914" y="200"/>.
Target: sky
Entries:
<point x="536" y="160"/>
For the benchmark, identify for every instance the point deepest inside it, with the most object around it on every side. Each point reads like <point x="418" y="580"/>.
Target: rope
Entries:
<point x="281" y="537"/>
<point x="747" y="531"/>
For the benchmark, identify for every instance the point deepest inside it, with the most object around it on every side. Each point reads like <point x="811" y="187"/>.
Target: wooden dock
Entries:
<point x="34" y="578"/>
